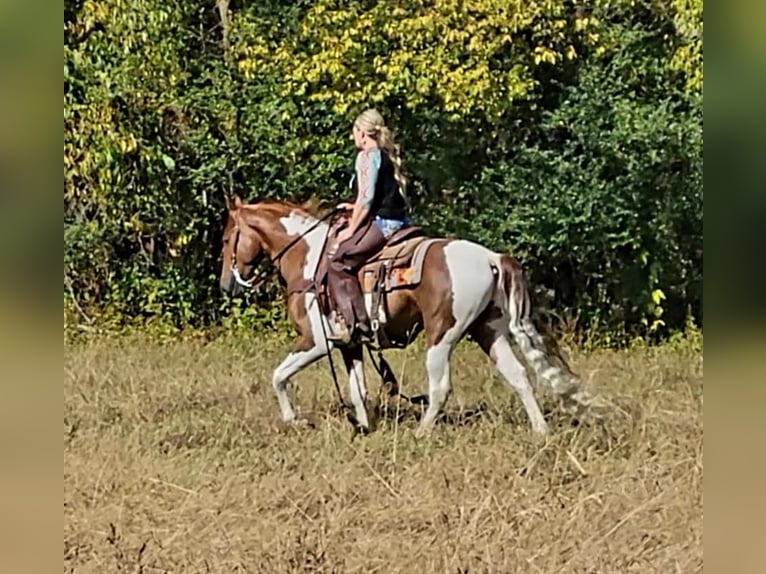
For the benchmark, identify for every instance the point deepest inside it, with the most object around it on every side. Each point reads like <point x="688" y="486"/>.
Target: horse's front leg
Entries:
<point x="294" y="362"/>
<point x="308" y="348"/>
<point x="354" y="361"/>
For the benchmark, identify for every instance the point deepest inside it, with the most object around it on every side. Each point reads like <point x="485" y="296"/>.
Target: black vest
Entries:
<point x="387" y="202"/>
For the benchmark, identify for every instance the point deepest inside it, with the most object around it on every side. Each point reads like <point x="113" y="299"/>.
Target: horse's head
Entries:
<point x="241" y="249"/>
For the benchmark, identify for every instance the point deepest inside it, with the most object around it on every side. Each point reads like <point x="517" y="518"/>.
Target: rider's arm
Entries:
<point x="367" y="175"/>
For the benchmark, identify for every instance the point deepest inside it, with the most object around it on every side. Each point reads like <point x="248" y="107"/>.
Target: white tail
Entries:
<point x="549" y="366"/>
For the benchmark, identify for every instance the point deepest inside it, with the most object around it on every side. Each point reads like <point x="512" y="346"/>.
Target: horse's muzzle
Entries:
<point x="230" y="287"/>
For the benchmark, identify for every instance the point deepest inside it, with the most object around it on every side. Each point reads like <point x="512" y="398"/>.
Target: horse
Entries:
<point x="464" y="288"/>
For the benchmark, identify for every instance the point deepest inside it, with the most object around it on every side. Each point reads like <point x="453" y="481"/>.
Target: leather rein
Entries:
<point x="256" y="280"/>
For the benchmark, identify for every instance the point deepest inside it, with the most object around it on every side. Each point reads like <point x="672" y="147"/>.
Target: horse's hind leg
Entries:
<point x="454" y="297"/>
<point x="438" y="367"/>
<point x="493" y="339"/>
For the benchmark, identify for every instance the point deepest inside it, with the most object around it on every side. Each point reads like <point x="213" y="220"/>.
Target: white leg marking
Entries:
<point x="381" y="308"/>
<point x="513" y="372"/>
<point x="293" y="363"/>
<point x="316" y="319"/>
<point x="358" y="391"/>
<point x="437" y="364"/>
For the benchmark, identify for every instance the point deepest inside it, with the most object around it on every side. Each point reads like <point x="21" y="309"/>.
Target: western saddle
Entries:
<point x="397" y="265"/>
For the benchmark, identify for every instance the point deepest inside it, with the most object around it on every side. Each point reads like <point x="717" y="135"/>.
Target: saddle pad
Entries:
<point x="400" y="276"/>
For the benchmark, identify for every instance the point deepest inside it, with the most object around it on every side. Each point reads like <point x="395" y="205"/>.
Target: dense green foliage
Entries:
<point x="570" y="137"/>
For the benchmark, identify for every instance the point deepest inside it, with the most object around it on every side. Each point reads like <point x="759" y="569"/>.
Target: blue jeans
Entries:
<point x="390" y="226"/>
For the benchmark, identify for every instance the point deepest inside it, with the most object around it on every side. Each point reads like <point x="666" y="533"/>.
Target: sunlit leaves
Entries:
<point x="688" y="56"/>
<point x="465" y="56"/>
<point x="568" y="132"/>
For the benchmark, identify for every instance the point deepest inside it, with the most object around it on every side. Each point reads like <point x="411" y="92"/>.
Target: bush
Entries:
<point x="571" y="138"/>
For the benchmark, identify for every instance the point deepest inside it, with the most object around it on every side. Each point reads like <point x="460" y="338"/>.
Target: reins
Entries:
<point x="258" y="279"/>
<point x="350" y="416"/>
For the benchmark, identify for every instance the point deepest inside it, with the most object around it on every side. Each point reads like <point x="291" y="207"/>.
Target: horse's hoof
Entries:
<point x="420" y="400"/>
<point x="300" y="423"/>
<point x="358" y="427"/>
<point x="423" y="432"/>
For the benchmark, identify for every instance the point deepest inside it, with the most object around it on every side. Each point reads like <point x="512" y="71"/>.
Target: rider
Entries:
<point x="379" y="211"/>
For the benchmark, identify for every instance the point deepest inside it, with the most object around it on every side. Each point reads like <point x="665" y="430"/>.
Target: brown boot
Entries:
<point x="340" y="289"/>
<point x="362" y="329"/>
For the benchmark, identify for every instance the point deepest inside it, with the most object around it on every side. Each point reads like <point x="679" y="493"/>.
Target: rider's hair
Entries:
<point x="371" y="123"/>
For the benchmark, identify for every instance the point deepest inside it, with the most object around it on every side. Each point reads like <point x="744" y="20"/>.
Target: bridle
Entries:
<point x="256" y="281"/>
<point x="249" y="283"/>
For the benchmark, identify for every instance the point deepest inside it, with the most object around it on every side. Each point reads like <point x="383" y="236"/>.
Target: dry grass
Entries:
<point x="174" y="461"/>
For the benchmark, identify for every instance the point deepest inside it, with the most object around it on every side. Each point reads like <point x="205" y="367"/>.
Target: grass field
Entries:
<point x="175" y="461"/>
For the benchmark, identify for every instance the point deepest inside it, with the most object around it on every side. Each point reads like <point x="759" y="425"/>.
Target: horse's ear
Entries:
<point x="233" y="203"/>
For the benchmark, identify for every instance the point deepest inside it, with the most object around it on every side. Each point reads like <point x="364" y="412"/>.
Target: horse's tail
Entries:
<point x="545" y="358"/>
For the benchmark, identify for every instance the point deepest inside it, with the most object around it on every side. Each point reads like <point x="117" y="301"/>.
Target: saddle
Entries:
<point x="396" y="258"/>
<point x="398" y="265"/>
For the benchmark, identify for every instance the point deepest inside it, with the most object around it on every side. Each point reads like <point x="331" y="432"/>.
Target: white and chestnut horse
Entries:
<point x="465" y="289"/>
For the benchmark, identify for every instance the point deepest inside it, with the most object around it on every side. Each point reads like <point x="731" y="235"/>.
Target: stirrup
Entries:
<point x="364" y="335"/>
<point x="341" y="338"/>
<point x="339" y="332"/>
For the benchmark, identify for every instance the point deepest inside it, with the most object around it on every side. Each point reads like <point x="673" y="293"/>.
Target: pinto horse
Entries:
<point x="465" y="289"/>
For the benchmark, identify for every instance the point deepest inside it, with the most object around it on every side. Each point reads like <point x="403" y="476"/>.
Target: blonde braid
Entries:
<point x="371" y="122"/>
<point x="386" y="141"/>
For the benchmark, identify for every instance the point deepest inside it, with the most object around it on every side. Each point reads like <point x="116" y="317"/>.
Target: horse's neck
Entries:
<point x="299" y="261"/>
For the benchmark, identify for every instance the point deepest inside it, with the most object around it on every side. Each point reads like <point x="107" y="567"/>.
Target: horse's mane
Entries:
<point x="313" y="207"/>
<point x="310" y="207"/>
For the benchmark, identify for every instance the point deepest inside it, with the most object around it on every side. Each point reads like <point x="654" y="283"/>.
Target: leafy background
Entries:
<point x="569" y="134"/>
